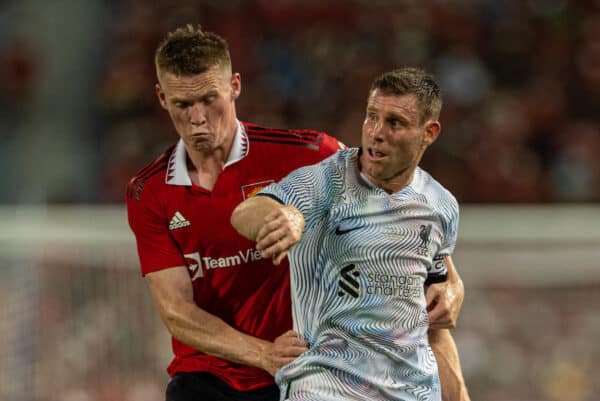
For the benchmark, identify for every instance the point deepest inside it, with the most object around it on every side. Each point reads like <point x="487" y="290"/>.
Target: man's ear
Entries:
<point x="236" y="85"/>
<point x="432" y="131"/>
<point x="162" y="99"/>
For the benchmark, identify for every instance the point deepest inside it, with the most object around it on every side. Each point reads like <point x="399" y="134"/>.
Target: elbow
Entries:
<point x="242" y="220"/>
<point x="170" y="320"/>
<point x="170" y="314"/>
<point x="237" y="219"/>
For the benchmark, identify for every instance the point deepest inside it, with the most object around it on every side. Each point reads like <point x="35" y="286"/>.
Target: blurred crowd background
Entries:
<point x="79" y="117"/>
<point x="521" y="83"/>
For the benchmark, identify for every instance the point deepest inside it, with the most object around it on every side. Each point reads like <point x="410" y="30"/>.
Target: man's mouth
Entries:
<point x="375" y="154"/>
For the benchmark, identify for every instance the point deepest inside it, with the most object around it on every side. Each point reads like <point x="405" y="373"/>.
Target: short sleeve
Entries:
<point x="449" y="214"/>
<point x="450" y="226"/>
<point x="307" y="189"/>
<point x="156" y="247"/>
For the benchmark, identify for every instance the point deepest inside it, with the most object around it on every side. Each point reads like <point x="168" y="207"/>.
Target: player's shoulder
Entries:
<point x="436" y="193"/>
<point x="330" y="172"/>
<point x="151" y="175"/>
<point x="346" y="155"/>
<point x="341" y="160"/>
<point x="294" y="139"/>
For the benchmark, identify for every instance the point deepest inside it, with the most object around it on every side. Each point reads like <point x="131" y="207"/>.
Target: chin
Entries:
<point x="202" y="146"/>
<point x="373" y="170"/>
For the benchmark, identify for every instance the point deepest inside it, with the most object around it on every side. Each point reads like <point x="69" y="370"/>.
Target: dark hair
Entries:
<point x="412" y="81"/>
<point x="189" y="50"/>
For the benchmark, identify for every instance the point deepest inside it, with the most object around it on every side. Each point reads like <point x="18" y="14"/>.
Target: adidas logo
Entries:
<point x="178" y="221"/>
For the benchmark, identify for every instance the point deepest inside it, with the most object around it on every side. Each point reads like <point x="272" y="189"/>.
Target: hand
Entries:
<point x="282" y="351"/>
<point x="444" y="301"/>
<point x="282" y="229"/>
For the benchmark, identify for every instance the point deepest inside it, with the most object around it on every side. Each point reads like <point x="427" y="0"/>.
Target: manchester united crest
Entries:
<point x="249" y="190"/>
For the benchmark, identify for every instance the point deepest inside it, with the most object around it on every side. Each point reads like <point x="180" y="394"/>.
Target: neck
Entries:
<point x="394" y="184"/>
<point x="198" y="160"/>
<point x="204" y="169"/>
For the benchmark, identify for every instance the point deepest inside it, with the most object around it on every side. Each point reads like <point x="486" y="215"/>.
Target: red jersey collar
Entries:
<point x="177" y="173"/>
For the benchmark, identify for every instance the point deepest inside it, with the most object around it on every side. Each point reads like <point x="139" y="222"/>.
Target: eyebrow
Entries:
<point x="394" y="116"/>
<point x="212" y="92"/>
<point x="389" y="115"/>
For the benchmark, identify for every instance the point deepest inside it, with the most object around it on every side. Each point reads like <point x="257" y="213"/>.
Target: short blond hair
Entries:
<point x="189" y="50"/>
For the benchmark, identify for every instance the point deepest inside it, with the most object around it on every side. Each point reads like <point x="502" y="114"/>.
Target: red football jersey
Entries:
<point x="177" y="223"/>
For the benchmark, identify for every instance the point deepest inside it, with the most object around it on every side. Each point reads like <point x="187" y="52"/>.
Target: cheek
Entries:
<point x="365" y="132"/>
<point x="408" y="141"/>
<point x="401" y="149"/>
<point x="218" y="112"/>
<point x="177" y="116"/>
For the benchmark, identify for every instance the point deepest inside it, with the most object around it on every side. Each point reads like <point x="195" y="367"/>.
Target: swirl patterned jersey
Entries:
<point x="357" y="280"/>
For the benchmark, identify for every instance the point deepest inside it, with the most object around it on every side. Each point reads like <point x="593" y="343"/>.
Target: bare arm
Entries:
<point x="444" y="300"/>
<point x="274" y="227"/>
<point x="446" y="354"/>
<point x="173" y="295"/>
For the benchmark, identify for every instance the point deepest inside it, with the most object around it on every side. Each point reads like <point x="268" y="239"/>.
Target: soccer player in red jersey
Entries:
<point x="227" y="308"/>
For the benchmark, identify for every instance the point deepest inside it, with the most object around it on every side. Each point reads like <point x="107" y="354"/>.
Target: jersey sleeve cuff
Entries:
<point x="272" y="197"/>
<point x="438" y="278"/>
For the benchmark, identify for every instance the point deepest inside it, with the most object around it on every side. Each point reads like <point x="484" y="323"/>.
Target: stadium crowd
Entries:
<point x="521" y="83"/>
<point x="522" y="125"/>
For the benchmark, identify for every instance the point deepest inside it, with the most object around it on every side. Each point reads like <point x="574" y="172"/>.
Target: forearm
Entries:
<point x="211" y="335"/>
<point x="446" y="354"/>
<point x="173" y="296"/>
<point x="249" y="216"/>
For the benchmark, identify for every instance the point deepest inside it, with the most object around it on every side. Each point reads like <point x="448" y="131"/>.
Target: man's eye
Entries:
<point x="395" y="123"/>
<point x="372" y="117"/>
<point x="181" y="105"/>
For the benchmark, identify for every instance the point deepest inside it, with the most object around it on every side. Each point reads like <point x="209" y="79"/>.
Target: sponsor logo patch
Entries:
<point x="348" y="282"/>
<point x="178" y="221"/>
<point x="198" y="265"/>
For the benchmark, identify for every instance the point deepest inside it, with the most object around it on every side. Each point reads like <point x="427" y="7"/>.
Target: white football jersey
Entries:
<point x="357" y="279"/>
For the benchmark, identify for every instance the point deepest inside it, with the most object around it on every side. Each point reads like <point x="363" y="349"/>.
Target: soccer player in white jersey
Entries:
<point x="371" y="229"/>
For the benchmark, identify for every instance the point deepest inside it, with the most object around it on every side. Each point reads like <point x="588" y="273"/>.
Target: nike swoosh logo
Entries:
<point x="340" y="231"/>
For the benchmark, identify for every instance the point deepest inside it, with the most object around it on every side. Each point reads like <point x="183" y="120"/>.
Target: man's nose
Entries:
<point x="197" y="114"/>
<point x="376" y="131"/>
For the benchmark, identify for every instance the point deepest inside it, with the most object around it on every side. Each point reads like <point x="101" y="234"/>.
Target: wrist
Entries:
<point x="295" y="217"/>
<point x="294" y="214"/>
<point x="262" y="360"/>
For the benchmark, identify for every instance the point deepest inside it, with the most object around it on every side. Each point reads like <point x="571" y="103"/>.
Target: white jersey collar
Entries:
<point x="177" y="173"/>
<point x="367" y="181"/>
